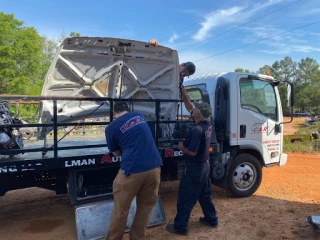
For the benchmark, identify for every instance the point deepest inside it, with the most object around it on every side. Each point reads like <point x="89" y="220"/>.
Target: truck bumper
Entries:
<point x="283" y="159"/>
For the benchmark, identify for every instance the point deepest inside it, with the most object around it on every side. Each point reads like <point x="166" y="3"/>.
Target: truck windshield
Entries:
<point x="259" y="96"/>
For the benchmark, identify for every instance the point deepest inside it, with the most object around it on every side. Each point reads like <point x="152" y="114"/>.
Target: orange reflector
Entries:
<point x="211" y="149"/>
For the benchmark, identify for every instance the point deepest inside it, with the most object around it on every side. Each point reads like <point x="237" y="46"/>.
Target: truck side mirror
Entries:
<point x="290" y="94"/>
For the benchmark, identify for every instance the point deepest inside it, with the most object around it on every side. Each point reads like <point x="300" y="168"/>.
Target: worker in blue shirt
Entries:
<point x="195" y="182"/>
<point x="129" y="136"/>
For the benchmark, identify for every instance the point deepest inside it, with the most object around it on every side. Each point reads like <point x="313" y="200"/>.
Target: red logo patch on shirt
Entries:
<point x="131" y="123"/>
<point x="208" y="133"/>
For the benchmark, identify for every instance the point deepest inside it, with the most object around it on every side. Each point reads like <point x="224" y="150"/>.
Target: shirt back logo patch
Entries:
<point x="131" y="123"/>
<point x="208" y="132"/>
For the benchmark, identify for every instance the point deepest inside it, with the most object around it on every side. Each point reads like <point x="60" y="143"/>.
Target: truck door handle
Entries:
<point x="243" y="131"/>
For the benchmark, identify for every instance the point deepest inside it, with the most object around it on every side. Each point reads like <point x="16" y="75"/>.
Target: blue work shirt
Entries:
<point x="198" y="140"/>
<point x="131" y="134"/>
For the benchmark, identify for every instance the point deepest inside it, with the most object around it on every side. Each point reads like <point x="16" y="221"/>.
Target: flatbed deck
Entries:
<point x="86" y="155"/>
<point x="73" y="141"/>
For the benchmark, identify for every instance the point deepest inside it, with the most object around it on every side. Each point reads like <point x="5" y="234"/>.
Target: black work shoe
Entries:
<point x="206" y="222"/>
<point x="170" y="228"/>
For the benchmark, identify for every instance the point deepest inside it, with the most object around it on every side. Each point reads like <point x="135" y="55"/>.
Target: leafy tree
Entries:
<point x="242" y="70"/>
<point x="50" y="47"/>
<point x="75" y="34"/>
<point x="63" y="36"/>
<point x="25" y="58"/>
<point x="266" y="69"/>
<point x="307" y="85"/>
<point x="306" y="77"/>
<point x="284" y="70"/>
<point x="20" y="57"/>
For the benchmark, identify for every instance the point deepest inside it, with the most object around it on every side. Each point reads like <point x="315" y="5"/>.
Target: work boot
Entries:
<point x="170" y="228"/>
<point x="204" y="221"/>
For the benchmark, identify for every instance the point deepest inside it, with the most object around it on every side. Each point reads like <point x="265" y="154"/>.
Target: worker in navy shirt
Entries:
<point x="129" y="136"/>
<point x="195" y="182"/>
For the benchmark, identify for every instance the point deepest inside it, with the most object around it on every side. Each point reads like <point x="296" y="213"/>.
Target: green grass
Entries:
<point x="313" y="128"/>
<point x="305" y="147"/>
<point x="291" y="210"/>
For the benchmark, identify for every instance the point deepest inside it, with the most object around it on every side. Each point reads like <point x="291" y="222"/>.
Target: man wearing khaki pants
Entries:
<point x="129" y="136"/>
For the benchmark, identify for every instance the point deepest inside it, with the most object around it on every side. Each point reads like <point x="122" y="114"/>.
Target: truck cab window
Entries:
<point x="194" y="94"/>
<point x="259" y="96"/>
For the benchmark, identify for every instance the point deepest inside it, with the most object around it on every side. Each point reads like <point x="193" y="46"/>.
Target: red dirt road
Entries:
<point x="278" y="210"/>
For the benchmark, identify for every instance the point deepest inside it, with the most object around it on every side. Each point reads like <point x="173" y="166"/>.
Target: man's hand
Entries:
<point x="183" y="90"/>
<point x="180" y="146"/>
<point x="117" y="153"/>
<point x="186" y="99"/>
<point x="184" y="94"/>
<point x="154" y="42"/>
<point x="185" y="150"/>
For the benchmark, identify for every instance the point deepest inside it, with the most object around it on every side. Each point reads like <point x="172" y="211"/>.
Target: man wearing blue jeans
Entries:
<point x="195" y="182"/>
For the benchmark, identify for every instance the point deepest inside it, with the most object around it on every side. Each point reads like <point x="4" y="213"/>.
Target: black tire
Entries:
<point x="244" y="176"/>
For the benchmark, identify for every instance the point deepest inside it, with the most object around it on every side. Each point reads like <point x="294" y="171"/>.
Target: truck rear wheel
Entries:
<point x="244" y="176"/>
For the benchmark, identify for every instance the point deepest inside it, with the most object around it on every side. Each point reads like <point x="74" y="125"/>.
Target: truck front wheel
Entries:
<point x="244" y="176"/>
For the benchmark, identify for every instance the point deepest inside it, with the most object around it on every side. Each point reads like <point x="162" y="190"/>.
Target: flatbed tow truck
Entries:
<point x="88" y="75"/>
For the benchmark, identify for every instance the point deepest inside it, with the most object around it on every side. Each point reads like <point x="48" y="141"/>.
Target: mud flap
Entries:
<point x="93" y="219"/>
<point x="314" y="221"/>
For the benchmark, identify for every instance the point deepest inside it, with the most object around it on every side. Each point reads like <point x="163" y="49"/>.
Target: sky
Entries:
<point x="217" y="35"/>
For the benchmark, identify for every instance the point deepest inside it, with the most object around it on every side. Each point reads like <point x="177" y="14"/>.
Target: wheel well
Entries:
<point x="253" y="153"/>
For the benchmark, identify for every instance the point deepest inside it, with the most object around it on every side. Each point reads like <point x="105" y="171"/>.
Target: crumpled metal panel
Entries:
<point x="113" y="68"/>
<point x="93" y="219"/>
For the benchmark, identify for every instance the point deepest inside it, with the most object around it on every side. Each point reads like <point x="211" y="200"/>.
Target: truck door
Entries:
<point x="259" y="117"/>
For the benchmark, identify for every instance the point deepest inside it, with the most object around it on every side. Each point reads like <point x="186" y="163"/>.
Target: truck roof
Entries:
<point x="211" y="79"/>
<point x="228" y="75"/>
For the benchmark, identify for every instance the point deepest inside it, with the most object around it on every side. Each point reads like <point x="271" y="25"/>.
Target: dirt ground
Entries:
<point x="278" y="210"/>
<point x="292" y="127"/>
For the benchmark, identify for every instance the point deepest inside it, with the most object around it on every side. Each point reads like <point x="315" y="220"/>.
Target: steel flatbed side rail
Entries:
<point x="29" y="97"/>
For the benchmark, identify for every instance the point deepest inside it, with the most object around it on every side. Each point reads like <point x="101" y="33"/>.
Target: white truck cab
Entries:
<point x="247" y="115"/>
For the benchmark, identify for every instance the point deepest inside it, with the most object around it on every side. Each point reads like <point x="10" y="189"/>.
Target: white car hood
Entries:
<point x="109" y="67"/>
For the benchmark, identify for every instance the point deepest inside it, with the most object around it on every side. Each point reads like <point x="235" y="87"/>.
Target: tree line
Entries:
<point x="25" y="57"/>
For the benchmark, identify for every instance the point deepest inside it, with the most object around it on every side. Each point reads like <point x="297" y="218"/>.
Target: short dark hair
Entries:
<point x="120" y="106"/>
<point x="190" y="68"/>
